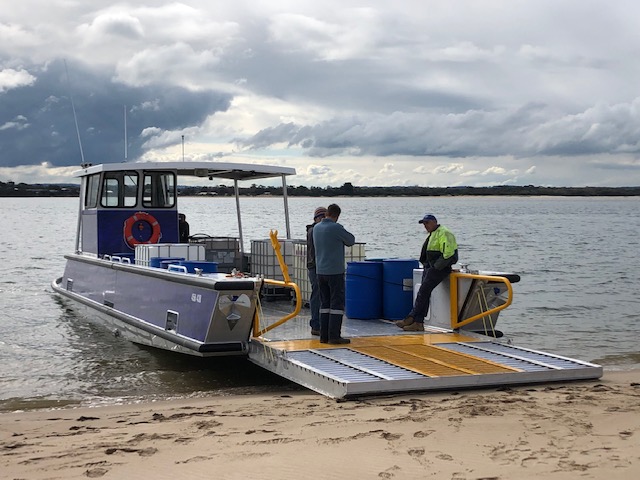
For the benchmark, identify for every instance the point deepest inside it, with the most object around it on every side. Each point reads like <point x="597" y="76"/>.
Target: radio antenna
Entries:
<point x="75" y="118"/>
<point x="125" y="133"/>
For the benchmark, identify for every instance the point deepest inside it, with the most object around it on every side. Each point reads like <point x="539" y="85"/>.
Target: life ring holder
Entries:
<point x="156" y="232"/>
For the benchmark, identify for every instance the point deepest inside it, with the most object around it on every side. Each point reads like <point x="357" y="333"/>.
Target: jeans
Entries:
<point x="314" y="300"/>
<point x="431" y="278"/>
<point x="331" y="305"/>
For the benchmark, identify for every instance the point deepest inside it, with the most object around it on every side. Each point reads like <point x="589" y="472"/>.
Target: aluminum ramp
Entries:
<point x="416" y="362"/>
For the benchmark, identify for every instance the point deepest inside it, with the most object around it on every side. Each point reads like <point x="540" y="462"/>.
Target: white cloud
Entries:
<point x="319" y="170"/>
<point x="18" y="123"/>
<point x="352" y="35"/>
<point x="11" y="78"/>
<point x="451" y="168"/>
<point x="42" y="173"/>
<point x="116" y="24"/>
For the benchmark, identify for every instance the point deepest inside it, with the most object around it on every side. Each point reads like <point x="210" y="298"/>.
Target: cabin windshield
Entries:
<point x="119" y="189"/>
<point x="159" y="190"/>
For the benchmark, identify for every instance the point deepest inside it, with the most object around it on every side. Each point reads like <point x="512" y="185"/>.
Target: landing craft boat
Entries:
<point x="127" y="226"/>
<point x="205" y="305"/>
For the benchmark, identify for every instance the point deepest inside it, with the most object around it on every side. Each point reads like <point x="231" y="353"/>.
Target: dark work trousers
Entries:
<point x="314" y="299"/>
<point x="331" y="305"/>
<point x="431" y="278"/>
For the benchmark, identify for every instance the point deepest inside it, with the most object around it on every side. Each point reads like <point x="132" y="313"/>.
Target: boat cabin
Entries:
<point x="127" y="204"/>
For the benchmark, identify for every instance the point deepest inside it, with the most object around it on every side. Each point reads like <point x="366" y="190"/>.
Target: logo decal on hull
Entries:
<point x="232" y="305"/>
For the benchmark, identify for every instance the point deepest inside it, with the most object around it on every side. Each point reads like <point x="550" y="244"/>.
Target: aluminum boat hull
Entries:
<point x="207" y="315"/>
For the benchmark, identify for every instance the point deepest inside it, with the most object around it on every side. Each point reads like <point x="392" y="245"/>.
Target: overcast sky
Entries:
<point x="418" y="92"/>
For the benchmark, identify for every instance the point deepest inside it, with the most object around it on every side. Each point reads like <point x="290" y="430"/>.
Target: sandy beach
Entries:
<point x="557" y="431"/>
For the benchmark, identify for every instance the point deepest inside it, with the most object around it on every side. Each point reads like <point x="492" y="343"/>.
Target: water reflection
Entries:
<point x="98" y="365"/>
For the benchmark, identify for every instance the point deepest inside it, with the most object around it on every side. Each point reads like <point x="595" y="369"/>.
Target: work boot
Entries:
<point x="315" y="332"/>
<point x="414" y="327"/>
<point x="405" y="323"/>
<point x="339" y="341"/>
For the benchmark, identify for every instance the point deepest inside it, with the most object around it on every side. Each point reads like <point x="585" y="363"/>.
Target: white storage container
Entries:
<point x="264" y="260"/>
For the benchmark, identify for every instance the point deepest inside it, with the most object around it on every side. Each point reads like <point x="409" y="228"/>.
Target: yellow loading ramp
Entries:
<point x="434" y="360"/>
<point x="412" y="362"/>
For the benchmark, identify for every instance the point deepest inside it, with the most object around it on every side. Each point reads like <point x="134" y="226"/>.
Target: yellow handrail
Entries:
<point x="453" y="282"/>
<point x="257" y="331"/>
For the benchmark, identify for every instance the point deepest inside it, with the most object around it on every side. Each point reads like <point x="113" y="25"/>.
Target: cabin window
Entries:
<point x="159" y="190"/>
<point x="120" y="189"/>
<point x="91" y="193"/>
<point x="172" y="320"/>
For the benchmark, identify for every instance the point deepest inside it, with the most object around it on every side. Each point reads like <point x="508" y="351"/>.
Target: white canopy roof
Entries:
<point x="227" y="170"/>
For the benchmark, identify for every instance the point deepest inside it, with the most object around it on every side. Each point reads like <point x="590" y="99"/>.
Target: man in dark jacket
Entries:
<point x="330" y="238"/>
<point x="439" y="252"/>
<point x="314" y="298"/>
<point x="183" y="228"/>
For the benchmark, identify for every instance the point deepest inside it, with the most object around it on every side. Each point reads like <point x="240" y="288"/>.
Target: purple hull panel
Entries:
<point x="202" y="310"/>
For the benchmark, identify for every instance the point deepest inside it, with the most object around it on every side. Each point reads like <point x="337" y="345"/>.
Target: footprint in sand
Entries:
<point x="388" y="473"/>
<point x="143" y="452"/>
<point x="445" y="456"/>
<point x="416" y="452"/>
<point x="86" y="419"/>
<point x="96" y="472"/>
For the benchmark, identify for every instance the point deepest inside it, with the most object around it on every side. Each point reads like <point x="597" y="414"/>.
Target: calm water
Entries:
<point x="578" y="259"/>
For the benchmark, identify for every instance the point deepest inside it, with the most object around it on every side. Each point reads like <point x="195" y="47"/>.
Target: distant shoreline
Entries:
<point x="11" y="189"/>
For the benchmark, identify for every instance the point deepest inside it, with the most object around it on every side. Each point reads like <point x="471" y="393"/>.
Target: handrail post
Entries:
<point x="453" y="299"/>
<point x="273" y="235"/>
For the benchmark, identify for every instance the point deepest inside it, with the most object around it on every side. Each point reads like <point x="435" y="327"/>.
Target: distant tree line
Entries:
<point x="11" y="189"/>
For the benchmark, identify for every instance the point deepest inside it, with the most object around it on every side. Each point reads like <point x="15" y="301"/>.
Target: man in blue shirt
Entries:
<point x="330" y="238"/>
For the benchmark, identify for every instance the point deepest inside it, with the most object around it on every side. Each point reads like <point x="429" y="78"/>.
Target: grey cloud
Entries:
<point x="38" y="123"/>
<point x="630" y="165"/>
<point x="534" y="129"/>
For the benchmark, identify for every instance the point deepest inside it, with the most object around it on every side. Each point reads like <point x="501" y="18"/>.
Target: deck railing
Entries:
<point x="456" y="323"/>
<point x="287" y="283"/>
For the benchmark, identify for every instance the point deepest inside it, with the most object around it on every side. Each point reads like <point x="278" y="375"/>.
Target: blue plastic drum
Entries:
<point x="206" y="267"/>
<point x="363" y="290"/>
<point x="397" y="287"/>
<point x="157" y="262"/>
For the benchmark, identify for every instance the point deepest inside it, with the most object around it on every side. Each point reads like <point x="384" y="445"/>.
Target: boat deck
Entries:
<point x="381" y="358"/>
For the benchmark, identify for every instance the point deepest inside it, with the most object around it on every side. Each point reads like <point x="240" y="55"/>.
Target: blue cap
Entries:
<point x="427" y="217"/>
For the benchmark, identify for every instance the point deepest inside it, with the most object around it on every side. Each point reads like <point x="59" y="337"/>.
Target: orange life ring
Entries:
<point x="137" y="219"/>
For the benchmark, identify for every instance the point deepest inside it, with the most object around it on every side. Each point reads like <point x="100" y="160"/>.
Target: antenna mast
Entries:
<point x="125" y="133"/>
<point x="183" y="148"/>
<point x="75" y="118"/>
